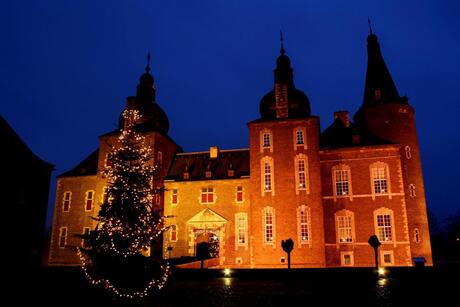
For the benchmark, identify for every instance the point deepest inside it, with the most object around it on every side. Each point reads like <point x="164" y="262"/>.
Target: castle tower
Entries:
<point x="387" y="115"/>
<point x="285" y="188"/>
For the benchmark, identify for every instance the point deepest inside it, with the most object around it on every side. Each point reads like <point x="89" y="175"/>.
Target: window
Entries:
<point x="105" y="195"/>
<point x="160" y="158"/>
<point x="387" y="257"/>
<point x="408" y="152"/>
<point x="344" y="228"/>
<point x="239" y="194"/>
<point x="268" y="216"/>
<point x="412" y="190"/>
<point x="346" y="258"/>
<point x="89" y="200"/>
<point x="85" y="233"/>
<point x="299" y="137"/>
<point x="62" y="237"/>
<point x="384" y="224"/>
<point x="241" y="228"/>
<point x="416" y="235"/>
<point x="174" y="197"/>
<point x="301" y="173"/>
<point x="378" y="94"/>
<point x="108" y="160"/>
<point x="207" y="195"/>
<point x="266" y="140"/>
<point x="341" y="175"/>
<point x="379" y="177"/>
<point x="66" y="201"/>
<point x="267" y="176"/>
<point x="173" y="233"/>
<point x="303" y="224"/>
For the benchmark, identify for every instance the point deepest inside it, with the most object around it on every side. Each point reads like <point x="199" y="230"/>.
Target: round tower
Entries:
<point x="387" y="115"/>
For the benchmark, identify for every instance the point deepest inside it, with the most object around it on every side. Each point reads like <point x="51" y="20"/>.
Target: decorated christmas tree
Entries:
<point x="117" y="253"/>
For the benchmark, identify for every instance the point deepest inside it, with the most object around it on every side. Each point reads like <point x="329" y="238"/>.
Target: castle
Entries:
<point x="328" y="191"/>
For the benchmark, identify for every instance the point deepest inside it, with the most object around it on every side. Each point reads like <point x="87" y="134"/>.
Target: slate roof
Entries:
<point x="87" y="167"/>
<point x="197" y="163"/>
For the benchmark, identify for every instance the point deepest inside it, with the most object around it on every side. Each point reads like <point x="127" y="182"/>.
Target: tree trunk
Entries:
<point x="376" y="258"/>
<point x="289" y="261"/>
<point x="202" y="264"/>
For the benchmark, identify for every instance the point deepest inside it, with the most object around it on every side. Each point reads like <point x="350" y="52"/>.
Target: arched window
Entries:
<point x="408" y="152"/>
<point x="416" y="235"/>
<point x="267" y="175"/>
<point x="412" y="190"/>
<point x="266" y="140"/>
<point x="301" y="173"/>
<point x="241" y="229"/>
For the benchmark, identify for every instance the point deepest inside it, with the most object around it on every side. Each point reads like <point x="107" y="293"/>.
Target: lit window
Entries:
<point x="174" y="197"/>
<point x="301" y="173"/>
<point x="89" y="200"/>
<point x="207" y="195"/>
<point x="108" y="160"/>
<point x="408" y="152"/>
<point x="266" y="140"/>
<point x="173" y="233"/>
<point x="62" y="237"/>
<point x="378" y="94"/>
<point x="85" y="233"/>
<point x="416" y="235"/>
<point x="268" y="222"/>
<point x="342" y="177"/>
<point x="384" y="227"/>
<point x="241" y="229"/>
<point x="267" y="176"/>
<point x="344" y="228"/>
<point x="299" y="137"/>
<point x="239" y="194"/>
<point x="303" y="224"/>
<point x="66" y="201"/>
<point x="105" y="195"/>
<point x="412" y="190"/>
<point x="379" y="175"/>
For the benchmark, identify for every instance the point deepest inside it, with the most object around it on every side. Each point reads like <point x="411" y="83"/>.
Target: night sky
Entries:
<point x="66" y="68"/>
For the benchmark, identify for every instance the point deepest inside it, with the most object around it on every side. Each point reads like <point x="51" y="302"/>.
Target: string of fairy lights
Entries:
<point x="130" y="192"/>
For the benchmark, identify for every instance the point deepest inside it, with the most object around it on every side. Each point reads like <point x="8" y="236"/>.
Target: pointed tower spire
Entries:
<point x="282" y="51"/>
<point x="379" y="87"/>
<point x="147" y="68"/>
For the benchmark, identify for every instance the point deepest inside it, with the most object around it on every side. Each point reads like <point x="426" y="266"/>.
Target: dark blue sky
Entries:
<point x="66" y="68"/>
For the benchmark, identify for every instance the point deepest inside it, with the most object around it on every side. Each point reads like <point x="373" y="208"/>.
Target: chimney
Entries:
<point x="342" y="116"/>
<point x="213" y="152"/>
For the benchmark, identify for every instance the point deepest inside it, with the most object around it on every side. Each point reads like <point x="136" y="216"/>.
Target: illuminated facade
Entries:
<point x="329" y="191"/>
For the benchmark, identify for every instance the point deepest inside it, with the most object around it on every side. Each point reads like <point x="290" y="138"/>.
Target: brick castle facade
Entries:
<point x="328" y="191"/>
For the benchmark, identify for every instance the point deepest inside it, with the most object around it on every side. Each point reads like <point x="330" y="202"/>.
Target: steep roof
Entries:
<point x="198" y="163"/>
<point x="87" y="167"/>
<point x="14" y="152"/>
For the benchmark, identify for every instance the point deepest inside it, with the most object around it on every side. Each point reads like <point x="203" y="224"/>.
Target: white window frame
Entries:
<point x="61" y="236"/>
<point x="341" y="168"/>
<point x="297" y="160"/>
<point x="264" y="187"/>
<point x="265" y="226"/>
<point x="303" y="224"/>
<point x="384" y="212"/>
<point x="382" y="258"/>
<point x="408" y="152"/>
<point x="241" y="228"/>
<point x="208" y="192"/>
<point x="412" y="192"/>
<point x="92" y="200"/>
<point x="342" y="258"/>
<point x="263" y="134"/>
<point x="64" y="199"/>
<point x="348" y="229"/>
<point x="295" y="139"/>
<point x="375" y="170"/>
